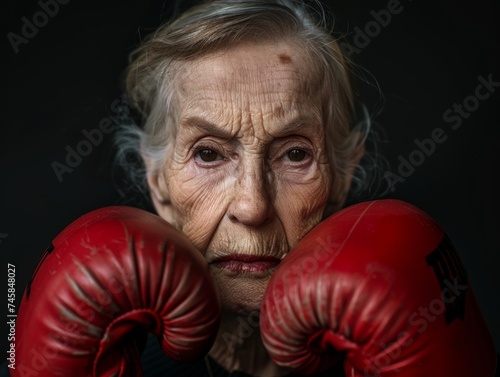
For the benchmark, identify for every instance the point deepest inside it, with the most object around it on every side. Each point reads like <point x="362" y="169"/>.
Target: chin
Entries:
<point x="241" y="292"/>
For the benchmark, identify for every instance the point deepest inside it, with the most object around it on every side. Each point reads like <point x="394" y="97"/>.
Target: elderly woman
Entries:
<point x="248" y="142"/>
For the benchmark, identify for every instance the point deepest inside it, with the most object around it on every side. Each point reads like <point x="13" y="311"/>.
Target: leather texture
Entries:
<point x="108" y="279"/>
<point x="380" y="286"/>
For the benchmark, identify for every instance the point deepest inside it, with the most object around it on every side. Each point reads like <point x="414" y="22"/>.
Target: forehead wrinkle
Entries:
<point x="243" y="92"/>
<point x="257" y="98"/>
<point x="234" y="62"/>
<point x="236" y="113"/>
<point x="228" y="70"/>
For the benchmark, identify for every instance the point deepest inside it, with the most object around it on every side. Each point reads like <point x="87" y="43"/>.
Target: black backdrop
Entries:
<point x="65" y="78"/>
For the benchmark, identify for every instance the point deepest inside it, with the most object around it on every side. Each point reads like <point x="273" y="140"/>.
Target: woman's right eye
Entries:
<point x="208" y="155"/>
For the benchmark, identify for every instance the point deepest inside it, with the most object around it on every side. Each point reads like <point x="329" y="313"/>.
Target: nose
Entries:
<point x="252" y="204"/>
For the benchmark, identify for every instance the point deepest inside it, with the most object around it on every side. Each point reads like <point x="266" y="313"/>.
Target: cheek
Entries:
<point x="200" y="202"/>
<point x="301" y="206"/>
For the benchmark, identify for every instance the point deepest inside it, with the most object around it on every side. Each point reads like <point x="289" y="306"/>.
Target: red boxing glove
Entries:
<point x="378" y="285"/>
<point x="106" y="279"/>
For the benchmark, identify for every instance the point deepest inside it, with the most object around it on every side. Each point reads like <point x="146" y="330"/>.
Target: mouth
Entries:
<point x="240" y="263"/>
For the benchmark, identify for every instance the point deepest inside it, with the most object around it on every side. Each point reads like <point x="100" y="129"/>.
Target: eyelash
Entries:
<point x="304" y="148"/>
<point x="200" y="147"/>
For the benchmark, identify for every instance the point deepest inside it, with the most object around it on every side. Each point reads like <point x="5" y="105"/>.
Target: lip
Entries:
<point x="246" y="263"/>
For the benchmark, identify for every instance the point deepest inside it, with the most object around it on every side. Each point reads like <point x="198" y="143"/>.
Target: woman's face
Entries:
<point x="248" y="173"/>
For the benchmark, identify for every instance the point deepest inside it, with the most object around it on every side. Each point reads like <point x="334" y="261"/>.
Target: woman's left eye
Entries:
<point x="296" y="155"/>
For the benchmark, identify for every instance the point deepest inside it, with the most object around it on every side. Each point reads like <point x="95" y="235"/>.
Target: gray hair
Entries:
<point x="221" y="24"/>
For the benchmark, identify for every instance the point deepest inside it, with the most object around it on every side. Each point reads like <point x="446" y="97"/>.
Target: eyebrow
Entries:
<point x="210" y="128"/>
<point x="295" y="124"/>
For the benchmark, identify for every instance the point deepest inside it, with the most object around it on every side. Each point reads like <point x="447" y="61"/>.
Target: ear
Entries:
<point x="160" y="196"/>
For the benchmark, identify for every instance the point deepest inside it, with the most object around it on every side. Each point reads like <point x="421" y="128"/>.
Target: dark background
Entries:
<point x="66" y="78"/>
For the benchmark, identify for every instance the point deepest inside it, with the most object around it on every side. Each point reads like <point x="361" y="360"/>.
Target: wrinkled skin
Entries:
<point x="248" y="172"/>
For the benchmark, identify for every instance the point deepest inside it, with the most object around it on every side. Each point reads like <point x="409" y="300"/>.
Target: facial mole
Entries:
<point x="284" y="58"/>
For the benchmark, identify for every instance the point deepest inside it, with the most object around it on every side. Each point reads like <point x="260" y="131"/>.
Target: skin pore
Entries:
<point x="247" y="176"/>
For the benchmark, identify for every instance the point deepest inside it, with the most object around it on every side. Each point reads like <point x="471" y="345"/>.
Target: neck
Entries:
<point x="239" y="347"/>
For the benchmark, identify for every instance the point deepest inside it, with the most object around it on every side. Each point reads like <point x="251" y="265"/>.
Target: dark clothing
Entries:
<point x="156" y="364"/>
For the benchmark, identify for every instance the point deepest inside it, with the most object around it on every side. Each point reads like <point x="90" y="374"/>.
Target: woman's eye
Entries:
<point x="208" y="155"/>
<point x="296" y="155"/>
